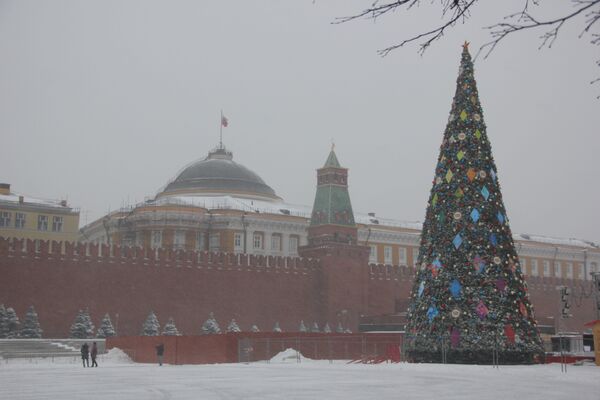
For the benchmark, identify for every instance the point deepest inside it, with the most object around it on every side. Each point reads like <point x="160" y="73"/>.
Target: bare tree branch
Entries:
<point x="454" y="11"/>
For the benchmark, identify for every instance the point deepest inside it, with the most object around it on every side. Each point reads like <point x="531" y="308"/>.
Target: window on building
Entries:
<point x="139" y="239"/>
<point x="179" y="240"/>
<point x="200" y="241"/>
<point x="276" y="242"/>
<point x="5" y="219"/>
<point x="238" y="241"/>
<point x="156" y="239"/>
<point x="593" y="268"/>
<point x="402" y="256"/>
<point x="20" y="220"/>
<point x="546" y="268"/>
<point x="570" y="270"/>
<point x="42" y="222"/>
<point x="293" y="244"/>
<point x="57" y="224"/>
<point x="580" y="272"/>
<point x="373" y="254"/>
<point x="523" y="264"/>
<point x="387" y="254"/>
<point x="534" y="268"/>
<point x="214" y="242"/>
<point x="257" y="240"/>
<point x="557" y="269"/>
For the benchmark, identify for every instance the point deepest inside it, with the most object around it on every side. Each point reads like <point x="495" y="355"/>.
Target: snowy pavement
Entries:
<point x="118" y="378"/>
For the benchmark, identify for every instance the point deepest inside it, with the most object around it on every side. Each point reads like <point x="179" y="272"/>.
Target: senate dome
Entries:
<point x="218" y="175"/>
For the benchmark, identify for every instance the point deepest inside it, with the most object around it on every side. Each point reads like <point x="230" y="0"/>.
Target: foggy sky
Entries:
<point x="102" y="102"/>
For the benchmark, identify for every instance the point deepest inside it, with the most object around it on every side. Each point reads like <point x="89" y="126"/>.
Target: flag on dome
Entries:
<point x="224" y="121"/>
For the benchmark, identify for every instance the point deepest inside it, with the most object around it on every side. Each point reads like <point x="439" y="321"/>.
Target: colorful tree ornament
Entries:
<point x="471" y="296"/>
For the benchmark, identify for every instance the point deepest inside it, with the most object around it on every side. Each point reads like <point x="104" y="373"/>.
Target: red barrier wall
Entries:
<point x="225" y="348"/>
<point x="61" y="278"/>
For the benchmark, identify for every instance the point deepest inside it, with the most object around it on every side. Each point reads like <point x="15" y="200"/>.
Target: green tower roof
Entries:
<point x="332" y="161"/>
<point x="332" y="202"/>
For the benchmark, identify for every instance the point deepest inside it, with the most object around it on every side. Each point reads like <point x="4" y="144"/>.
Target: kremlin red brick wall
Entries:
<point x="60" y="279"/>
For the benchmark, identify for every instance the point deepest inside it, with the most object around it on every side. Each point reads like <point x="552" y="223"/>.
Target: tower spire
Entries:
<point x="469" y="291"/>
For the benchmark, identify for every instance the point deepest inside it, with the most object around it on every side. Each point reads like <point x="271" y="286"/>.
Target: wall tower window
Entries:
<point x="373" y="254"/>
<point x="238" y="244"/>
<point x="387" y="254"/>
<point x="179" y="240"/>
<point x="257" y="241"/>
<point x="534" y="268"/>
<point x="293" y="244"/>
<point x="156" y="239"/>
<point x="5" y="219"/>
<point x="57" y="224"/>
<point x="276" y="242"/>
<point x="42" y="222"/>
<point x="20" y="220"/>
<point x="402" y="256"/>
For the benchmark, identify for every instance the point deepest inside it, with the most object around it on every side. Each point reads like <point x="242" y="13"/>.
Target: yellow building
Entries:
<point x="26" y="217"/>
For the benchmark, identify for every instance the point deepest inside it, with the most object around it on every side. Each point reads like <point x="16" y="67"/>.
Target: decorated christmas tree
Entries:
<point x="31" y="325"/>
<point x="151" y="326"/>
<point x="469" y="302"/>
<point x="170" y="329"/>
<point x="106" y="328"/>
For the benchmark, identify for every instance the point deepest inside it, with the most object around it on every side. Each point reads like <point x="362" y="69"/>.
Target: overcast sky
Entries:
<point x="104" y="101"/>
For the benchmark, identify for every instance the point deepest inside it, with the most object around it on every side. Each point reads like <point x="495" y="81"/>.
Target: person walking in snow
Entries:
<point x="94" y="354"/>
<point x="160" y="350"/>
<point x="85" y="354"/>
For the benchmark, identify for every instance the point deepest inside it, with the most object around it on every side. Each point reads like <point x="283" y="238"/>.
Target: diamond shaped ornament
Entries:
<point x="434" y="200"/>
<point x="460" y="155"/>
<point x="463" y="115"/>
<point x="500" y="217"/>
<point x="449" y="176"/>
<point x="485" y="192"/>
<point x="457" y="241"/>
<point x="493" y="174"/>
<point x="459" y="193"/>
<point x="475" y="215"/>
<point x="471" y="174"/>
<point x="478" y="134"/>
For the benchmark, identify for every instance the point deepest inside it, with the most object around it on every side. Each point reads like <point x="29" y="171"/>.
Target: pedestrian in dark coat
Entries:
<point x="160" y="350"/>
<point x="94" y="354"/>
<point x="85" y="354"/>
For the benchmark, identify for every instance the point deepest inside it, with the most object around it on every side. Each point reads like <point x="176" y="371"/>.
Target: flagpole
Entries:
<point x="221" y="131"/>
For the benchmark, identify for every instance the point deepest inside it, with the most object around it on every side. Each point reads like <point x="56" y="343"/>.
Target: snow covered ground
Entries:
<point x="284" y="378"/>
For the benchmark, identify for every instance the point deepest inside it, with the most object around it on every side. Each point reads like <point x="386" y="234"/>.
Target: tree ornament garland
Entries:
<point x="469" y="298"/>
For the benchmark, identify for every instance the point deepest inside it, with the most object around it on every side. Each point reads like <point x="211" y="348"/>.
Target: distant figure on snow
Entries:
<point x="85" y="354"/>
<point x="94" y="354"/>
<point x="160" y="350"/>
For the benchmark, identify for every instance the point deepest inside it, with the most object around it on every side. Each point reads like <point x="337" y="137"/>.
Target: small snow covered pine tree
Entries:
<point x="233" y="326"/>
<point x="277" y="328"/>
<point x="327" y="329"/>
<point x="89" y="326"/>
<point x="31" y="325"/>
<point x="254" y="329"/>
<point x="12" y="323"/>
<point x="151" y="326"/>
<point x="210" y="326"/>
<point x="106" y="328"/>
<point x="340" y="328"/>
<point x="3" y="328"/>
<point x="170" y="329"/>
<point x="302" y="327"/>
<point x="315" y="328"/>
<point x="82" y="327"/>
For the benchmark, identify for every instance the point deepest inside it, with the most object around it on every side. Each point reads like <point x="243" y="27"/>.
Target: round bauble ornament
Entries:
<point x="457" y="215"/>
<point x="423" y="266"/>
<point x="438" y="180"/>
<point x="477" y="117"/>
<point x="455" y="313"/>
<point x="497" y="260"/>
<point x="462" y="136"/>
<point x="451" y="117"/>
<point x="482" y="174"/>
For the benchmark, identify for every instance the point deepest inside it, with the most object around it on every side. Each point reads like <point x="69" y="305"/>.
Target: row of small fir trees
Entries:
<point x="12" y="328"/>
<point x="151" y="327"/>
<point x="83" y="328"/>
